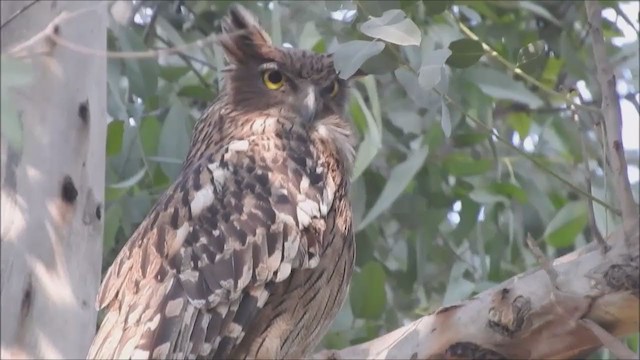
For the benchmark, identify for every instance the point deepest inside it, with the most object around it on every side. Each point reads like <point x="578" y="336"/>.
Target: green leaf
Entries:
<point x="538" y="10"/>
<point x="394" y="27"/>
<point x="174" y="138"/>
<point x="115" y="132"/>
<point x="458" y="287"/>
<point x="431" y="68"/>
<point x="532" y="58"/>
<point x="520" y="122"/>
<point x="173" y="73"/>
<point x="112" y="220"/>
<point x="464" y="53"/>
<point x="551" y="71"/>
<point x="501" y="86"/>
<point x="469" y="212"/>
<point x="149" y="132"/>
<point x="435" y="7"/>
<point x="198" y="92"/>
<point x="461" y="140"/>
<point x="445" y="119"/>
<point x="411" y="85"/>
<point x="372" y="142"/>
<point x="141" y="73"/>
<point x="483" y="196"/>
<point x="566" y="225"/>
<point x="463" y="165"/>
<point x="125" y="184"/>
<point x="309" y="36"/>
<point x="510" y="190"/>
<point x="349" y="57"/>
<point x="367" y="296"/>
<point x="369" y="7"/>
<point x="400" y="177"/>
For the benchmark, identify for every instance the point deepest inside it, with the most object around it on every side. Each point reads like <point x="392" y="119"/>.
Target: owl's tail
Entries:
<point x="145" y="329"/>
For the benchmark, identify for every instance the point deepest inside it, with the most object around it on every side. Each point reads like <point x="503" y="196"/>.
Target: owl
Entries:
<point x="250" y="252"/>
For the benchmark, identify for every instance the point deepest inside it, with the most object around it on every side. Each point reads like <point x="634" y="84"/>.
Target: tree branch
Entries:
<point x="525" y="317"/>
<point x="612" y="117"/>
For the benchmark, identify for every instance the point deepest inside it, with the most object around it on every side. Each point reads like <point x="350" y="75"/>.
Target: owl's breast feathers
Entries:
<point x="215" y="247"/>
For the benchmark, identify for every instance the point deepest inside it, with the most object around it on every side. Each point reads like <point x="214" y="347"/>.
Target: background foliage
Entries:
<point x="465" y="147"/>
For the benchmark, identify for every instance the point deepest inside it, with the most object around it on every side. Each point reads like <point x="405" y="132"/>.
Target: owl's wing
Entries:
<point x="201" y="264"/>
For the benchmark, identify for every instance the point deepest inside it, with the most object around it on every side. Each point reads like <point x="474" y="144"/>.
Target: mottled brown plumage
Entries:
<point x="250" y="252"/>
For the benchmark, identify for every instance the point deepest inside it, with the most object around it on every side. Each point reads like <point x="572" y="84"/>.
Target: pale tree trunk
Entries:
<point x="53" y="187"/>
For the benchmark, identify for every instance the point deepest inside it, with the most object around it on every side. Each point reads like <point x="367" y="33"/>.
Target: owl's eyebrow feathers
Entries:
<point x="269" y="66"/>
<point x="272" y="65"/>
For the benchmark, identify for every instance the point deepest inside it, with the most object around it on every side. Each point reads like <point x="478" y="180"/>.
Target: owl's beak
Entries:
<point x="309" y="104"/>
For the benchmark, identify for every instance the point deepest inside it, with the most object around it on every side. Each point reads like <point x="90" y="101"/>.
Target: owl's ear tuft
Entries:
<point x="243" y="39"/>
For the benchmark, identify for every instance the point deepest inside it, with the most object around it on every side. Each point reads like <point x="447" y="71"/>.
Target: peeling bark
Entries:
<point x="526" y="317"/>
<point x="52" y="187"/>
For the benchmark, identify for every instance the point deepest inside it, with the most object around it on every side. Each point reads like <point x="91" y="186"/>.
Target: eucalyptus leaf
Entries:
<point x="349" y="57"/>
<point x="464" y="53"/>
<point x="394" y="27"/>
<point x="134" y="179"/>
<point x="372" y="139"/>
<point x="501" y="86"/>
<point x="174" y="138"/>
<point x="141" y="73"/>
<point x="445" y="118"/>
<point x="367" y="295"/>
<point x="399" y="178"/>
<point x="431" y="68"/>
<point x="566" y="224"/>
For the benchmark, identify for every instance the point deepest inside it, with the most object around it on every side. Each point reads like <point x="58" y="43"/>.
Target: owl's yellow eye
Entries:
<point x="273" y="79"/>
<point x="333" y="88"/>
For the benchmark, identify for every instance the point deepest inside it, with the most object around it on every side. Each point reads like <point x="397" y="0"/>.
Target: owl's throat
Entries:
<point x="338" y="137"/>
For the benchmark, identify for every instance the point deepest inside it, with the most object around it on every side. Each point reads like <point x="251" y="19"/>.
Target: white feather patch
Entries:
<point x="259" y="126"/>
<point x="283" y="271"/>
<point x="219" y="175"/>
<point x="177" y="242"/>
<point x="238" y="145"/>
<point x="202" y="199"/>
<point x="161" y="351"/>
<point x="306" y="210"/>
<point x="173" y="307"/>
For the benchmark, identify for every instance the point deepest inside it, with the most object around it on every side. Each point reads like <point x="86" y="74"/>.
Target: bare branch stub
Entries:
<point x="546" y="264"/>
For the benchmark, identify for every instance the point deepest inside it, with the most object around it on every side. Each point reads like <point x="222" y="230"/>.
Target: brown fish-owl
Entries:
<point x="250" y="252"/>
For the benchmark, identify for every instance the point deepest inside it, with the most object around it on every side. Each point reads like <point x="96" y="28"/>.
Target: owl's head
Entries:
<point x="264" y="77"/>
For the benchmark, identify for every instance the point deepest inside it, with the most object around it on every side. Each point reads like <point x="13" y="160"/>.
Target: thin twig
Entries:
<point x="617" y="348"/>
<point x="544" y="262"/>
<point x="17" y="13"/>
<point x="526" y="155"/>
<point x="184" y="55"/>
<point x="150" y="28"/>
<point x="592" y="217"/>
<point x="612" y="119"/>
<point x="516" y="70"/>
<point x="186" y="60"/>
<point x="50" y="33"/>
